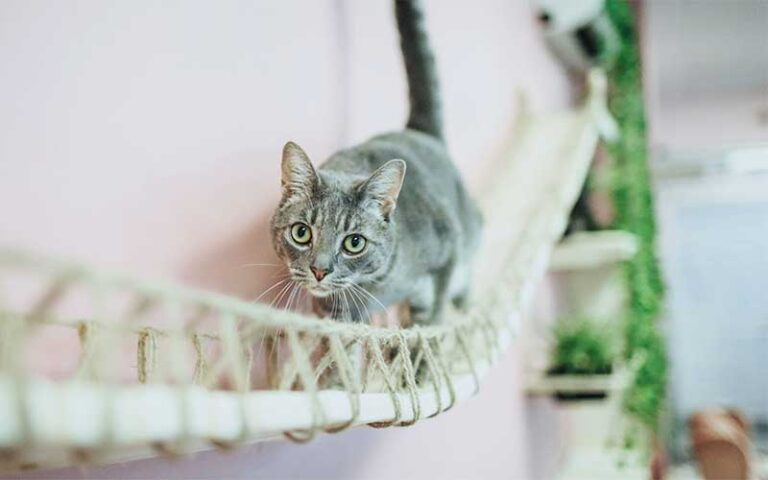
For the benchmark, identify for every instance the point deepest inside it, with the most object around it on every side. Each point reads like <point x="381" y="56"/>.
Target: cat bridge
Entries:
<point x="163" y="368"/>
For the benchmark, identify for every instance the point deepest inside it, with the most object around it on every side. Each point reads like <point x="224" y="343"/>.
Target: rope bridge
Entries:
<point x="170" y="369"/>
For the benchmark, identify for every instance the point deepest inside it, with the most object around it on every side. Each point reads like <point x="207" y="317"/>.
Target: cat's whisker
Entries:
<point x="350" y="315"/>
<point x="261" y="344"/>
<point x="284" y="294"/>
<point x="349" y="308"/>
<point x="270" y="289"/>
<point x="342" y="305"/>
<point x="340" y="314"/>
<point x="364" y="303"/>
<point x="278" y="270"/>
<point x="333" y="304"/>
<point x="369" y="294"/>
<point x="361" y="305"/>
<point x="293" y="301"/>
<point x="248" y="265"/>
<point x="302" y="302"/>
<point x="277" y="284"/>
<point x="292" y="296"/>
<point x="354" y="315"/>
<point x="367" y="309"/>
<point x="362" y="291"/>
<point x="276" y="301"/>
<point x="288" y="296"/>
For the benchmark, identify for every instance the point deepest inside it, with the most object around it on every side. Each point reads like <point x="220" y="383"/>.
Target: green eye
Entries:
<point x="354" y="243"/>
<point x="301" y="233"/>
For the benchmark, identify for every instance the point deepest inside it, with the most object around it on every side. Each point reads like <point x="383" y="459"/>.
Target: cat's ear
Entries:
<point x="298" y="174"/>
<point x="383" y="186"/>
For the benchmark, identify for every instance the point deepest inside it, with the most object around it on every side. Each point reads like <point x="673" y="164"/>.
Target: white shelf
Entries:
<point x="543" y="384"/>
<point x="590" y="250"/>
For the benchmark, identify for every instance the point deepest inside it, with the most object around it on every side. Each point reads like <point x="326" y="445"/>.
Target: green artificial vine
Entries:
<point x="634" y="213"/>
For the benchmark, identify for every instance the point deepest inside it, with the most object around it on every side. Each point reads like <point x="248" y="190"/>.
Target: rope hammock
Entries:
<point x="171" y="369"/>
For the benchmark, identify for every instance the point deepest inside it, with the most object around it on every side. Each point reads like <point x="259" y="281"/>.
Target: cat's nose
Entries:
<point x="319" y="273"/>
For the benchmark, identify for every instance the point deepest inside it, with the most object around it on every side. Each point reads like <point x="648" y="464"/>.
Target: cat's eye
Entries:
<point x="301" y="233"/>
<point x="354" y="243"/>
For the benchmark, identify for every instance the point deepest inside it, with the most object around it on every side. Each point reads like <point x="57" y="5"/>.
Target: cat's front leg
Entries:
<point x="421" y="302"/>
<point x="426" y="306"/>
<point x="428" y="297"/>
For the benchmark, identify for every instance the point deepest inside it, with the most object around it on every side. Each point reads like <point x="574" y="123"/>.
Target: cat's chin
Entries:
<point x="319" y="292"/>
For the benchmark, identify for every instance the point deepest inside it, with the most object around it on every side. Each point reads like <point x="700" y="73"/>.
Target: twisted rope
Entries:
<point x="146" y="354"/>
<point x="410" y="379"/>
<point x="374" y="349"/>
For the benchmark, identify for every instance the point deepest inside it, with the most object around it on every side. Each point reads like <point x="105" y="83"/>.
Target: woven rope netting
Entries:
<point x="161" y="366"/>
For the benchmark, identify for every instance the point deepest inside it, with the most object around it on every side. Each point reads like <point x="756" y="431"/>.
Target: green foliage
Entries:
<point x="634" y="213"/>
<point x="581" y="348"/>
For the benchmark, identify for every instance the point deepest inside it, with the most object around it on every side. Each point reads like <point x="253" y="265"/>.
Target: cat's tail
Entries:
<point x="426" y="108"/>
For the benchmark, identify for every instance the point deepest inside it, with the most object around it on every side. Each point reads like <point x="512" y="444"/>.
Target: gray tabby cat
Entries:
<point x="359" y="232"/>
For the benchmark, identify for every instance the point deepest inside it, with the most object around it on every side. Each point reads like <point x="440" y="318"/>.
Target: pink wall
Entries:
<point x="145" y="136"/>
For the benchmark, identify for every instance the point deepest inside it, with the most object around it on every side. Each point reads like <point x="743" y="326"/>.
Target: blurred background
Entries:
<point x="146" y="137"/>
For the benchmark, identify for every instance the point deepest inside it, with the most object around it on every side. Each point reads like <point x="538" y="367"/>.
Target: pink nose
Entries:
<point x="319" y="273"/>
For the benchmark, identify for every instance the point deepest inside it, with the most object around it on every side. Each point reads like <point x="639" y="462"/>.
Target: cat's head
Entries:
<point x="334" y="230"/>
